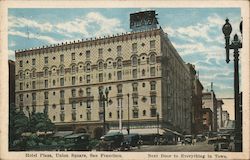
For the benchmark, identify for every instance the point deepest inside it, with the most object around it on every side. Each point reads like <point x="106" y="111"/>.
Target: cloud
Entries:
<point x="11" y="55"/>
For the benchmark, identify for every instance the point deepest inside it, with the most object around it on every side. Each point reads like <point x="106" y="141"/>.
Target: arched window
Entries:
<point x="100" y="65"/>
<point x="119" y="63"/>
<point x="110" y="114"/>
<point x="152" y="58"/>
<point x="134" y="61"/>
<point x="61" y="70"/>
<point x="46" y="72"/>
<point x="88" y="67"/>
<point x="21" y="75"/>
<point x="73" y="68"/>
<point x="143" y="72"/>
<point x="144" y="113"/>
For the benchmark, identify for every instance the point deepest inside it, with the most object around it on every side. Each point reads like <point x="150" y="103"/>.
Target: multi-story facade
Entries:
<point x="225" y="118"/>
<point x="64" y="81"/>
<point x="209" y="100"/>
<point x="219" y="114"/>
<point x="196" y="101"/>
<point x="207" y="115"/>
<point x="11" y="83"/>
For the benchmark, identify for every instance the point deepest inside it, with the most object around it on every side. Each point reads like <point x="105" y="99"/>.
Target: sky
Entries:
<point x="195" y="33"/>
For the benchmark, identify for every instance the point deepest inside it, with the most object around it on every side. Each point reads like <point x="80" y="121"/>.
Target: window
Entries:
<point x="100" y="51"/>
<point x="61" y="58"/>
<point x="73" y="80"/>
<point x="61" y="70"/>
<point x="73" y="92"/>
<point x="88" y="115"/>
<point x="88" y="103"/>
<point x="119" y="102"/>
<point x="143" y="72"/>
<point x="62" y="94"/>
<point x="33" y="61"/>
<point x="88" y="54"/>
<point x="46" y="95"/>
<point x="62" y="81"/>
<point x="119" y="49"/>
<point x="152" y="58"/>
<point x="34" y="73"/>
<point x="110" y="76"/>
<point x="134" y="61"/>
<point x="88" y="91"/>
<point x="20" y="63"/>
<point x="81" y="116"/>
<point x="88" y="67"/>
<point x="46" y="83"/>
<point x="46" y="108"/>
<point x="134" y="73"/>
<point x="20" y="74"/>
<point x="54" y="93"/>
<point x="110" y="114"/>
<point x="100" y="77"/>
<point x="54" y="118"/>
<point x="135" y="101"/>
<point x="80" y="79"/>
<point x="119" y="75"/>
<point x="46" y="72"/>
<point x="144" y="113"/>
<point x="152" y="71"/>
<point x="33" y="96"/>
<point x="62" y="107"/>
<point x="153" y="99"/>
<point x="54" y="82"/>
<point x="153" y="86"/>
<point x="143" y="85"/>
<point x="119" y="63"/>
<point x="152" y="44"/>
<point x="118" y="115"/>
<point x="135" y="87"/>
<point x="73" y="56"/>
<point x="119" y="88"/>
<point x="73" y="68"/>
<point x="33" y="108"/>
<point x="88" y="78"/>
<point x="80" y="92"/>
<point x="73" y="116"/>
<point x="153" y="112"/>
<point x="100" y="65"/>
<point x="21" y="86"/>
<point x="135" y="113"/>
<point x="134" y="47"/>
<point x="46" y="60"/>
<point x="54" y="106"/>
<point x="21" y="97"/>
<point x="62" y="117"/>
<point x="73" y="105"/>
<point x="33" y="84"/>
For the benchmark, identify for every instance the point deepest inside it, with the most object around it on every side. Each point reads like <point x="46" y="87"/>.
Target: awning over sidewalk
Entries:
<point x="141" y="131"/>
<point x="62" y="133"/>
<point x="173" y="132"/>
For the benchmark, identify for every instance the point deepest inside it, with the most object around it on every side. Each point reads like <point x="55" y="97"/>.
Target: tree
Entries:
<point x="40" y="122"/>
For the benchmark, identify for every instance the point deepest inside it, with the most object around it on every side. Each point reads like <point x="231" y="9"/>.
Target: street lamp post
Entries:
<point x="235" y="45"/>
<point x="128" y="115"/>
<point x="104" y="98"/>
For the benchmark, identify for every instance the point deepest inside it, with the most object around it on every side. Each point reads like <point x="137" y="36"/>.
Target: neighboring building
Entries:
<point x="196" y="101"/>
<point x="209" y="101"/>
<point x="219" y="114"/>
<point x="207" y="115"/>
<point x="11" y="83"/>
<point x="64" y="81"/>
<point x="225" y="118"/>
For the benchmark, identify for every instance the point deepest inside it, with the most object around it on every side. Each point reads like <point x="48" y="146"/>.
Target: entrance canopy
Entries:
<point x="141" y="131"/>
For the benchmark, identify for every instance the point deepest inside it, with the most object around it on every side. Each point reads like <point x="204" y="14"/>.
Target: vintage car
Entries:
<point x="111" y="141"/>
<point x="77" y="142"/>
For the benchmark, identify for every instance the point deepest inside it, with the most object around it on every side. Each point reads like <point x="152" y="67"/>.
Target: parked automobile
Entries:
<point x="200" y="138"/>
<point x="188" y="139"/>
<point x="77" y="142"/>
<point x="111" y="141"/>
<point x="131" y="140"/>
<point x="223" y="146"/>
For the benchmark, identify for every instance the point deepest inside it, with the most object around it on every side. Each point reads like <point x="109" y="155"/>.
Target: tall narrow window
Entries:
<point x="100" y="77"/>
<point x="73" y="116"/>
<point x="88" y="67"/>
<point x="135" y="87"/>
<point x="34" y="73"/>
<point x="62" y="107"/>
<point x="119" y="63"/>
<point x="33" y="84"/>
<point x="119" y="88"/>
<point x="119" y="75"/>
<point x="20" y="63"/>
<point x="46" y="60"/>
<point x="62" y="81"/>
<point x="152" y="71"/>
<point x="100" y="52"/>
<point x="88" y="103"/>
<point x="33" y="61"/>
<point x="21" y="86"/>
<point x="110" y="76"/>
<point x="46" y="83"/>
<point x="62" y="94"/>
<point x="21" y="97"/>
<point x="100" y="65"/>
<point x="73" y="56"/>
<point x="134" y="61"/>
<point x="88" y="54"/>
<point x="153" y="99"/>
<point x="62" y="117"/>
<point x="61" y="58"/>
<point x="88" y="115"/>
<point x="152" y="58"/>
<point x="46" y="95"/>
<point x="119" y="49"/>
<point x="88" y="78"/>
<point x="134" y="47"/>
<point x="73" y="92"/>
<point x="73" y="80"/>
<point x="153" y="112"/>
<point x="135" y="113"/>
<point x="61" y="70"/>
<point x="73" y="68"/>
<point x="152" y="86"/>
<point x="33" y="96"/>
<point x="88" y="91"/>
<point x="135" y="101"/>
<point x="46" y="72"/>
<point x="73" y="105"/>
<point x="152" y="44"/>
<point x="134" y="73"/>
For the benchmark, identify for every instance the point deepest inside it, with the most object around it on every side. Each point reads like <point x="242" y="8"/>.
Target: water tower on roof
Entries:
<point x="145" y="20"/>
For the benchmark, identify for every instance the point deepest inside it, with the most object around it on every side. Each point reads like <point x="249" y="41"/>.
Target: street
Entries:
<point x="198" y="147"/>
